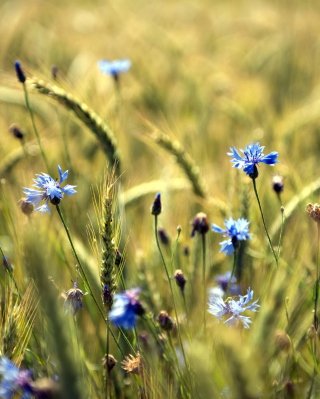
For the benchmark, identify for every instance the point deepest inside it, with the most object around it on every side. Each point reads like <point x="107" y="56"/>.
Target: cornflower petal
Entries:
<point x="49" y="189"/>
<point x="126" y="308"/>
<point x="252" y="155"/>
<point x="114" y="67"/>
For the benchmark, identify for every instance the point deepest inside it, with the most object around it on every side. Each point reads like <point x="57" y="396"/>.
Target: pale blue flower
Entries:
<point x="50" y="190"/>
<point x="14" y="381"/>
<point x="126" y="308"/>
<point x="233" y="309"/>
<point x="252" y="156"/>
<point x="114" y="67"/>
<point x="236" y="230"/>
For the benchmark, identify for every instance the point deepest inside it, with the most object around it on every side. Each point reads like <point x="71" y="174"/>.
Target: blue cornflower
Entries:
<point x="252" y="156"/>
<point x="233" y="308"/>
<point x="114" y="67"/>
<point x="50" y="190"/>
<point x="14" y="380"/>
<point x="236" y="230"/>
<point x="126" y="308"/>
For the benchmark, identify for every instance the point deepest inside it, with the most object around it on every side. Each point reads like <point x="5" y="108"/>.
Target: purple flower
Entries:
<point x="114" y="67"/>
<point x="73" y="301"/>
<point x="126" y="308"/>
<point x="252" y="156"/>
<point x="236" y="230"/>
<point x="232" y="308"/>
<point x="14" y="381"/>
<point x="50" y="190"/>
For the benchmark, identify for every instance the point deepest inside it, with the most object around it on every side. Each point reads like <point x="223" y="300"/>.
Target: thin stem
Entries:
<point x="264" y="223"/>
<point x="174" y="249"/>
<point x="204" y="279"/>
<point x="232" y="273"/>
<point x="84" y="277"/>
<point x="34" y="125"/>
<point x="173" y="299"/>
<point x="281" y="232"/>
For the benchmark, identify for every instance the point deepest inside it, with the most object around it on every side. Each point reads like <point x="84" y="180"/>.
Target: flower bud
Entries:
<point x="277" y="183"/>
<point x="25" y="206"/>
<point x="165" y="321"/>
<point x="163" y="237"/>
<point x="20" y="74"/>
<point x="109" y="363"/>
<point x="282" y="341"/>
<point x="54" y="71"/>
<point x="180" y="279"/>
<point x="16" y="131"/>
<point x="200" y="224"/>
<point x="156" y="206"/>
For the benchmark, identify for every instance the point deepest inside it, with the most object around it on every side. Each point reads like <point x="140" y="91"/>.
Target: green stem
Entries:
<point x="174" y="249"/>
<point x="84" y="277"/>
<point x="281" y="232"/>
<point x="264" y="223"/>
<point x="204" y="279"/>
<point x="232" y="273"/>
<point x="34" y="125"/>
<point x="173" y="299"/>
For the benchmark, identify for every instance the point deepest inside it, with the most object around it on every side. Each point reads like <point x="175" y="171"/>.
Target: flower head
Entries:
<point x="252" y="156"/>
<point x="50" y="190"/>
<point x="277" y="183"/>
<point x="224" y="282"/>
<point x="132" y="364"/>
<point x="20" y="74"/>
<point x="14" y="380"/>
<point x="73" y="301"/>
<point x="236" y="230"/>
<point x="156" y="206"/>
<point x="314" y="212"/>
<point x="200" y="224"/>
<point x="126" y="308"/>
<point x="114" y="67"/>
<point x="232" y="308"/>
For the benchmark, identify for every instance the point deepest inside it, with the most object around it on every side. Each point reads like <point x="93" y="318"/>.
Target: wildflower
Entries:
<point x="16" y="131"/>
<point x="232" y="308"/>
<point x="156" y="206"/>
<point x="224" y="281"/>
<point x="314" y="212"/>
<point x="132" y="364"/>
<point x="14" y="380"/>
<point x="163" y="236"/>
<point x="126" y="308"/>
<point x="165" y="321"/>
<point x="180" y="279"/>
<point x="73" y="301"/>
<point x="50" y="190"/>
<point x="20" y="74"/>
<point x="236" y="230"/>
<point x="252" y="156"/>
<point x="277" y="183"/>
<point x="113" y="68"/>
<point x="200" y="224"/>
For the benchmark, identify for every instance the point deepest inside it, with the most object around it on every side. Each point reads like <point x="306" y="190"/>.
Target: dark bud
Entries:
<point x="180" y="279"/>
<point x="20" y="74"/>
<point x="54" y="71"/>
<point x="165" y="321"/>
<point x="118" y="258"/>
<point x="255" y="172"/>
<point x="163" y="237"/>
<point x="235" y="242"/>
<point x="200" y="224"/>
<point x="26" y="207"/>
<point x="16" y="131"/>
<point x="108" y="362"/>
<point x="139" y="309"/>
<point x="289" y="389"/>
<point x="55" y="201"/>
<point x="7" y="263"/>
<point x="156" y="206"/>
<point x="277" y="183"/>
<point x="186" y="250"/>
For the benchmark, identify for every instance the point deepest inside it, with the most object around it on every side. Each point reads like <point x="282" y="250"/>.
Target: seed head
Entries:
<point x="132" y="364"/>
<point x="314" y="211"/>
<point x="200" y="224"/>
